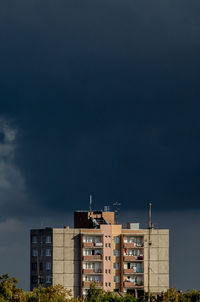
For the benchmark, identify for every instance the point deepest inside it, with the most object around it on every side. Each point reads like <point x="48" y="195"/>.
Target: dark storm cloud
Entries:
<point x="101" y="97"/>
<point x="105" y="99"/>
<point x="2" y="137"/>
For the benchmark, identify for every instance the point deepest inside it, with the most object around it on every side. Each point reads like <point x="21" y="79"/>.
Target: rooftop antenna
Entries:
<point x="90" y="203"/>
<point x="116" y="206"/>
<point x="150" y="223"/>
<point x="149" y="247"/>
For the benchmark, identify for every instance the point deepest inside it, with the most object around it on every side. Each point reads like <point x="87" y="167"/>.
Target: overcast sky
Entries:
<point x="99" y="97"/>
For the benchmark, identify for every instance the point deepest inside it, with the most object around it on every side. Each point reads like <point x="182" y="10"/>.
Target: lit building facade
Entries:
<point x="98" y="250"/>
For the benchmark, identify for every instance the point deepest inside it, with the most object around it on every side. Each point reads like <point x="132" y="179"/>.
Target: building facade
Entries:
<point x="121" y="260"/>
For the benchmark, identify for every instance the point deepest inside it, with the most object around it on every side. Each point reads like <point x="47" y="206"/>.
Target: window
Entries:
<point x="116" y="265"/>
<point x="34" y="279"/>
<point x="116" y="252"/>
<point x="89" y="265"/>
<point x="106" y="245"/>
<point x="116" y="239"/>
<point x="116" y="279"/>
<point x="109" y="271"/>
<point x="109" y="245"/>
<point x="48" y="265"/>
<point x="88" y="239"/>
<point x="41" y="253"/>
<point x="109" y="284"/>
<point x="109" y="258"/>
<point x="106" y="258"/>
<point x="106" y="271"/>
<point x="48" y="239"/>
<point x="34" y="253"/>
<point x="88" y="253"/>
<point x="48" y="252"/>
<point x="48" y="279"/>
<point x="91" y="278"/>
<point x="106" y="284"/>
<point x="41" y="266"/>
<point x="34" y="239"/>
<point x="41" y="239"/>
<point x="34" y="266"/>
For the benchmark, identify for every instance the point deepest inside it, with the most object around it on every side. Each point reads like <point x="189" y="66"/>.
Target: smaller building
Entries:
<point x="97" y="249"/>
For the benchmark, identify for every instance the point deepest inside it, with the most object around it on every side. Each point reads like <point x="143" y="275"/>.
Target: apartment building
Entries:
<point x="97" y="249"/>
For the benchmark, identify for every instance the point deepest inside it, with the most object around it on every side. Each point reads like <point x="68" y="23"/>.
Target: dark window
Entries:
<point x="34" y="266"/>
<point x="41" y="266"/>
<point x="34" y="279"/>
<point x="34" y="239"/>
<point x="48" y="239"/>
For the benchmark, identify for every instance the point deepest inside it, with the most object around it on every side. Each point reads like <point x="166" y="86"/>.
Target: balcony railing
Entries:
<point x="129" y="245"/>
<point x="133" y="258"/>
<point x="88" y="283"/>
<point x="88" y="244"/>
<point x="98" y="244"/>
<point x="128" y="284"/>
<point x="88" y="271"/>
<point x="132" y="245"/>
<point x="131" y="271"/>
<point x="92" y="257"/>
<point x="92" y="244"/>
<point x="130" y="258"/>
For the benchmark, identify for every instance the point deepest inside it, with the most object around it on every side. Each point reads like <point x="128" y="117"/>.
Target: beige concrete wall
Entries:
<point x="66" y="259"/>
<point x="159" y="260"/>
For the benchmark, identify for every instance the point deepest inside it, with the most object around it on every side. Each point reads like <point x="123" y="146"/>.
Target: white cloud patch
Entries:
<point x="13" y="196"/>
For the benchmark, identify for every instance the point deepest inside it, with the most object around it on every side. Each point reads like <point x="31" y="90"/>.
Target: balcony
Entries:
<point x="91" y="271"/>
<point x="88" y="244"/>
<point x="132" y="285"/>
<point x="98" y="244"/>
<point x="132" y="271"/>
<point x="92" y="257"/>
<point x="130" y="258"/>
<point x="92" y="244"/>
<point x="129" y="245"/>
<point x="133" y="258"/>
<point x="88" y="283"/>
<point x="129" y="284"/>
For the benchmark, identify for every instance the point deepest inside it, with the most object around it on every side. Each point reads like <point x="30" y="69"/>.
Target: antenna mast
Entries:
<point x="90" y="203"/>
<point x="149" y="246"/>
<point x="150" y="224"/>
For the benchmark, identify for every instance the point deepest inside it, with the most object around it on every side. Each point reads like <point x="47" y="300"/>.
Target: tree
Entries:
<point x="94" y="294"/>
<point x="192" y="295"/>
<point x="7" y="287"/>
